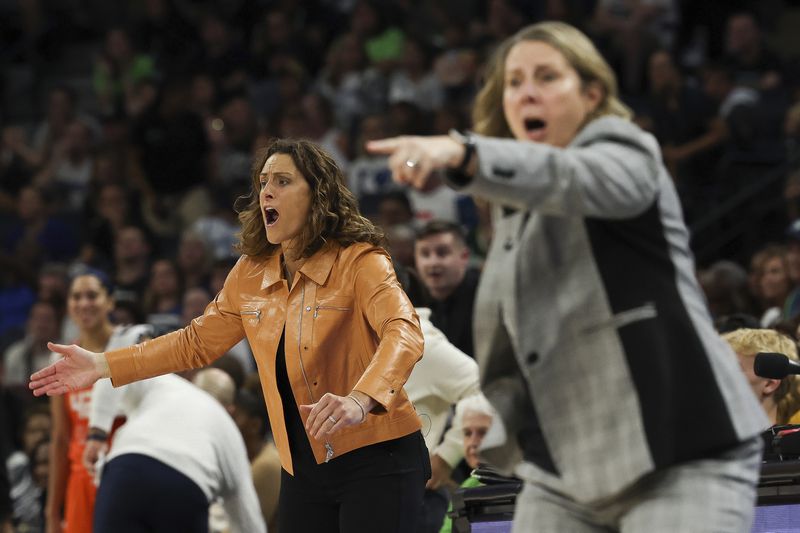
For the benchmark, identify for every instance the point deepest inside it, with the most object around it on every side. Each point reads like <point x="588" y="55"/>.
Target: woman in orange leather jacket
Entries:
<point x="334" y="337"/>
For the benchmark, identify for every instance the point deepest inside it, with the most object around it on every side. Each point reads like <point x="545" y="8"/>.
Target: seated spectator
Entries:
<point x="27" y="490"/>
<point x="119" y="76"/>
<point x="415" y="81"/>
<point x="780" y="398"/>
<point x="774" y="286"/>
<point x="31" y="354"/>
<point x="220" y="226"/>
<point x="752" y="62"/>
<point x="725" y="286"/>
<point x="685" y="125"/>
<point x="70" y="167"/>
<point x="368" y="176"/>
<point x="132" y="250"/>
<point x="442" y="258"/>
<point x="35" y="236"/>
<point x="476" y="417"/>
<point x="194" y="259"/>
<point x="163" y="297"/>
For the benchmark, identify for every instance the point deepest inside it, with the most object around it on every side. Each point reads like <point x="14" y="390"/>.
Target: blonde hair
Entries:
<point x="749" y="342"/>
<point x="487" y="115"/>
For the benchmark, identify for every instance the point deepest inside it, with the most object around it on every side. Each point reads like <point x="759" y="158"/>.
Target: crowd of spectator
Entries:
<point x="127" y="136"/>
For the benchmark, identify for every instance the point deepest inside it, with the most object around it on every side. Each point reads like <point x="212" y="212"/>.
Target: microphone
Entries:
<point x="774" y="365"/>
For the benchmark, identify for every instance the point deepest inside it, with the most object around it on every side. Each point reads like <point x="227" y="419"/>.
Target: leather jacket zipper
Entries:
<point x="256" y="313"/>
<point x="328" y="448"/>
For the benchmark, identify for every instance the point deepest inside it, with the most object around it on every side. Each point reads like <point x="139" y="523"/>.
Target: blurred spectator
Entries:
<point x="343" y="80"/>
<point x="752" y="62"/>
<point x="220" y="227"/>
<point x="35" y="236"/>
<point x="70" y="167"/>
<point x="632" y="29"/>
<point x="321" y="129"/>
<point x="221" y="55"/>
<point x="442" y="259"/>
<point x="775" y="288"/>
<point x="414" y="81"/>
<point x="218" y="383"/>
<point x="111" y="210"/>
<point x="683" y="121"/>
<point x="27" y="490"/>
<point x="164" y="296"/>
<point x="400" y="243"/>
<point x="219" y="272"/>
<point x="30" y="354"/>
<point x="780" y="398"/>
<point x="368" y="176"/>
<point x="394" y="208"/>
<point x="194" y="259"/>
<point x="172" y="150"/>
<point x="727" y="292"/>
<point x="122" y="76"/>
<point x="163" y="34"/>
<point x="234" y="132"/>
<point x="132" y="253"/>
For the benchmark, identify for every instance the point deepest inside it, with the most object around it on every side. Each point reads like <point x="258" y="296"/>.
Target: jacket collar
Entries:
<point x="317" y="268"/>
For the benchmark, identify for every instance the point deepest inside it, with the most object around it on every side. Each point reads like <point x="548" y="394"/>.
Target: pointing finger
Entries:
<point x="384" y="146"/>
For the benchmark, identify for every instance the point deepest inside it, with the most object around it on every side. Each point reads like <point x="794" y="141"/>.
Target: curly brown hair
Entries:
<point x="334" y="210"/>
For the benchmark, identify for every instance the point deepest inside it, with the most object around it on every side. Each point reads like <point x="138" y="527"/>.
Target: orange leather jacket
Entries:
<point x="349" y="326"/>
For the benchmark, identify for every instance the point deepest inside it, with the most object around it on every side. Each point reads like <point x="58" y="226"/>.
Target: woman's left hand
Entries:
<point x="330" y="414"/>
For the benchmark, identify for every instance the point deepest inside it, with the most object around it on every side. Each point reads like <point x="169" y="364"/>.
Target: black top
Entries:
<point x="453" y="315"/>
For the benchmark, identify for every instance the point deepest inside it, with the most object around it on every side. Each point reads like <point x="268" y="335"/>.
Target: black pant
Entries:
<point x="139" y="494"/>
<point x="375" y="488"/>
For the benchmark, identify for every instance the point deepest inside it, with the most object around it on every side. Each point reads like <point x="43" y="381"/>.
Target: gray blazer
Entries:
<point x="588" y="311"/>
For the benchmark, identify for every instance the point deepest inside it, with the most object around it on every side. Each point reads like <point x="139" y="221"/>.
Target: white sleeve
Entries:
<point x="238" y="492"/>
<point x="457" y="377"/>
<point x="106" y="400"/>
<point x="106" y="404"/>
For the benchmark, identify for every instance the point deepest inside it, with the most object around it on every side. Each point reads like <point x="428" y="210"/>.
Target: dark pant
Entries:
<point x="375" y="488"/>
<point x="139" y="494"/>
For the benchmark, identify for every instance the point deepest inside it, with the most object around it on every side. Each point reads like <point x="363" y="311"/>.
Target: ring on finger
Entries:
<point x="411" y="163"/>
<point x="332" y="419"/>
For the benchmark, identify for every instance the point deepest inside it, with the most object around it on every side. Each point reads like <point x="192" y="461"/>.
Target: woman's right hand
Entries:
<point x="78" y="369"/>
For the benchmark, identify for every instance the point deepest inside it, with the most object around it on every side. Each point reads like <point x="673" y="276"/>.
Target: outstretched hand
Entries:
<point x="76" y="370"/>
<point x="413" y="160"/>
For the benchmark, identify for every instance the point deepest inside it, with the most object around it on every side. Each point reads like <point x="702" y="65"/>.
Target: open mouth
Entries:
<point x="272" y="215"/>
<point x="534" y="125"/>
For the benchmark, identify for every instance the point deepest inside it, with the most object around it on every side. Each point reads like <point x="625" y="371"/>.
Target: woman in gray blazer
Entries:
<point x="592" y="334"/>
